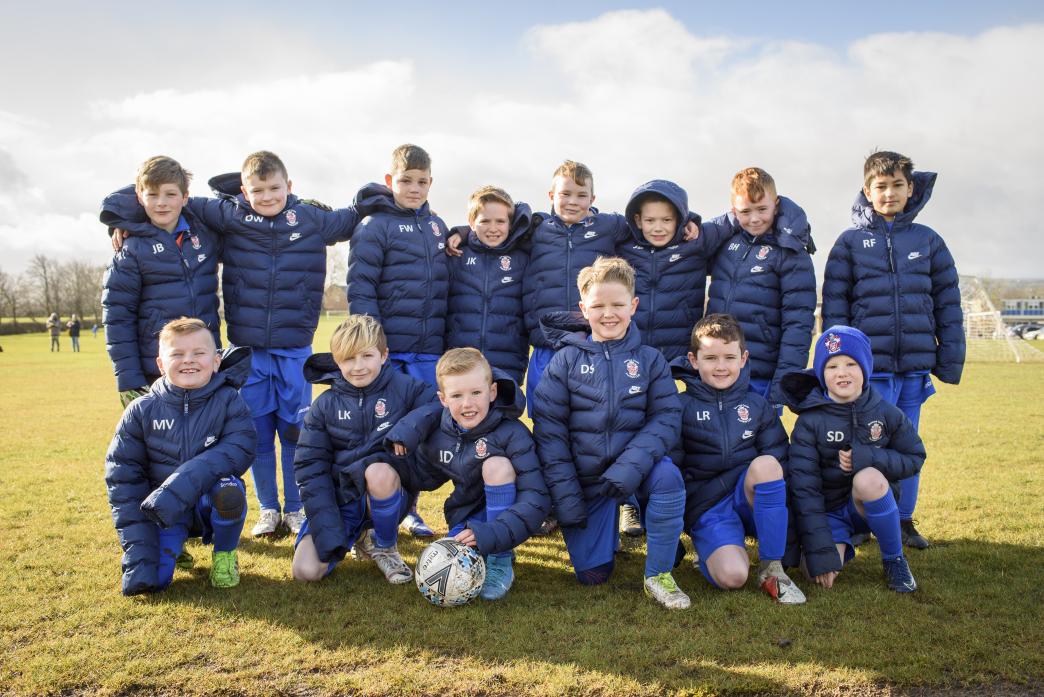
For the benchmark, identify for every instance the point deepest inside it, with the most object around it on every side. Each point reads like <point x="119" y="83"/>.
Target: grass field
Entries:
<point x="976" y="622"/>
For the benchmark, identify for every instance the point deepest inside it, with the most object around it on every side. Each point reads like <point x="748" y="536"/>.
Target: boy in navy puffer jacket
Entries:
<point x="606" y="419"/>
<point x="165" y="270"/>
<point x="848" y="452"/>
<point x="763" y="277"/>
<point x="485" y="288"/>
<point x="895" y="280"/>
<point x="732" y="456"/>
<point x="499" y="498"/>
<point x="351" y="493"/>
<point x="398" y="272"/>
<point x="174" y="466"/>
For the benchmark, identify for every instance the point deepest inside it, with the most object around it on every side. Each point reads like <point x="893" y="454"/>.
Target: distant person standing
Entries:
<point x="54" y="326"/>
<point x="94" y="330"/>
<point x="74" y="332"/>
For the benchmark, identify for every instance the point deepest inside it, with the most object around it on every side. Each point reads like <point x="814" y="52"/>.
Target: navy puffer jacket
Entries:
<point x="485" y="298"/>
<point x="880" y="436"/>
<point x="343" y="433"/>
<point x="558" y="252"/>
<point x="397" y="272"/>
<point x="722" y="431"/>
<point x="899" y="287"/>
<point x="151" y="281"/>
<point x="170" y="448"/>
<point x="445" y="453"/>
<point x="274" y="267"/>
<point x="670" y="281"/>
<point x="609" y="411"/>
<point x="768" y="284"/>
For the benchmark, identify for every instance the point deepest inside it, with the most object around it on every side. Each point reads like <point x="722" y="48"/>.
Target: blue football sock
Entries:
<point x="385" y="515"/>
<point x="908" y="496"/>
<point x="882" y="516"/>
<point x="291" y="494"/>
<point x="663" y="527"/>
<point x="263" y="471"/>
<point x="228" y="510"/>
<point x="499" y="497"/>
<point x="171" y="542"/>
<point x="770" y="519"/>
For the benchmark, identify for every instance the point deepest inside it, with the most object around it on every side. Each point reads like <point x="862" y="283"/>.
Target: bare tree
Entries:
<point x="84" y="283"/>
<point x="47" y="275"/>
<point x="6" y="293"/>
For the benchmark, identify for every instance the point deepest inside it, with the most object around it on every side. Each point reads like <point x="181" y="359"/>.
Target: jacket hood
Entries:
<point x="510" y="403"/>
<point x="571" y="329"/>
<point x="520" y="223"/>
<point x="230" y="187"/>
<point x="863" y="215"/>
<point x="694" y="384"/>
<point x="233" y="371"/>
<point x="790" y="229"/>
<point x="322" y="369"/>
<point x="659" y="187"/>
<point x="377" y="198"/>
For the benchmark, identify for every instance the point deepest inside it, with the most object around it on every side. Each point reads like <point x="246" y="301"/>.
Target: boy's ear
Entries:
<point x="289" y="186"/>
<point x="638" y="220"/>
<point x="692" y="360"/>
<point x="159" y="364"/>
<point x="634" y="304"/>
<point x="384" y="357"/>
<point x="442" y="398"/>
<point x="388" y="180"/>
<point x="743" y="358"/>
<point x="493" y="392"/>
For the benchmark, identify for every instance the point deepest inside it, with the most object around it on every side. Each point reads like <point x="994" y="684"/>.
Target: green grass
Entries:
<point x="66" y="629"/>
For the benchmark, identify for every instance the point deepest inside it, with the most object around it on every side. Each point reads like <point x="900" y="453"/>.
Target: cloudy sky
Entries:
<point x="500" y="93"/>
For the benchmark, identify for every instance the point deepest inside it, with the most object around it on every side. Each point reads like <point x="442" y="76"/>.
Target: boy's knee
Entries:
<point x="732" y="576"/>
<point x="764" y="468"/>
<point x="665" y="478"/>
<point x="497" y="470"/>
<point x="595" y="576"/>
<point x="229" y="500"/>
<point x="308" y="572"/>
<point x="381" y="479"/>
<point x="869" y="484"/>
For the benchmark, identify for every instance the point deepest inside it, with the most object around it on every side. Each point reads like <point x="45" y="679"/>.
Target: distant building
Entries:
<point x="1022" y="309"/>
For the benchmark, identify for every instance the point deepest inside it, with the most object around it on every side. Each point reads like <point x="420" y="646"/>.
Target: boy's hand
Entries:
<point x="399" y="449"/>
<point x="610" y="491"/>
<point x="116" y="237"/>
<point x="692" y="231"/>
<point x="466" y="537"/>
<point x="128" y="396"/>
<point x="455" y="239"/>
<point x="315" y="204"/>
<point x="826" y="580"/>
<point x="845" y="457"/>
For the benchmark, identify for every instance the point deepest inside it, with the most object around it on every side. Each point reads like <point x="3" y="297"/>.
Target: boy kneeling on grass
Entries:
<point x="174" y="466"/>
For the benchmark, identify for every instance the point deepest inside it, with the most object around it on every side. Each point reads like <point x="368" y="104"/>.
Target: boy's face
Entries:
<point x="163" y="205"/>
<point x="571" y="201"/>
<point x="718" y="362"/>
<point x="467" y="396"/>
<point x="363" y="368"/>
<point x="756" y="217"/>
<point x="843" y="379"/>
<point x="189" y="360"/>
<point x="657" y="221"/>
<point x="267" y="196"/>
<point x="889" y="193"/>
<point x="609" y="308"/>
<point x="409" y="188"/>
<point x="492" y="223"/>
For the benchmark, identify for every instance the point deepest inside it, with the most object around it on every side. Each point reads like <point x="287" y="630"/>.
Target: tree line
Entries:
<point x="46" y="286"/>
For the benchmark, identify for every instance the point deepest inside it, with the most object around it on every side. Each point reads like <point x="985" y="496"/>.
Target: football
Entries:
<point x="449" y="573"/>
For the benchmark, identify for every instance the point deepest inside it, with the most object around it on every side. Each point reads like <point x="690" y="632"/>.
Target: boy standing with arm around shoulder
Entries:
<point x="848" y="452"/>
<point x="499" y="498"/>
<point x="607" y="417"/>
<point x="895" y="280"/>
<point x="176" y="460"/>
<point x="733" y="459"/>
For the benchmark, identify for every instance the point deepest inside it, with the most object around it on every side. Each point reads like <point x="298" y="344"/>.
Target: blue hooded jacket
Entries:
<point x="900" y="287"/>
<point x="670" y="281"/>
<point x="485" y="297"/>
<point x="608" y="412"/>
<point x="398" y="274"/>
<point x="722" y="432"/>
<point x="170" y="448"/>
<point x="445" y="453"/>
<point x="768" y="284"/>
<point x="343" y="433"/>
<point x="274" y="266"/>
<point x="878" y="433"/>
<point x="151" y="281"/>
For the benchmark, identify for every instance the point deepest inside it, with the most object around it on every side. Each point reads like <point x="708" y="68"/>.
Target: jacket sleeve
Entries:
<point x="797" y="285"/>
<point x="713" y="234"/>
<point x="127" y="481"/>
<point x="229" y="456"/>
<point x="522" y="519"/>
<point x="365" y="261"/>
<point x="337" y="225"/>
<point x="416" y="469"/>
<point x="837" y="286"/>
<point x="551" y="430"/>
<point x="121" y="296"/>
<point x="806" y="487"/>
<point x="656" y="438"/>
<point x="901" y="459"/>
<point x="216" y="213"/>
<point x="771" y="438"/>
<point x="949" y="317"/>
<point x="313" y="470"/>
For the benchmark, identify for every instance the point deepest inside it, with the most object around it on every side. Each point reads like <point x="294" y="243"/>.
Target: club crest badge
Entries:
<point x="876" y="430"/>
<point x="291" y="217"/>
<point x="632" y="368"/>
<point x="505" y="263"/>
<point x="380" y="409"/>
<point x="763" y="252"/>
<point x="195" y="242"/>
<point x="435" y="228"/>
<point x="743" y="414"/>
<point x="481" y="451"/>
<point x="833" y="343"/>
